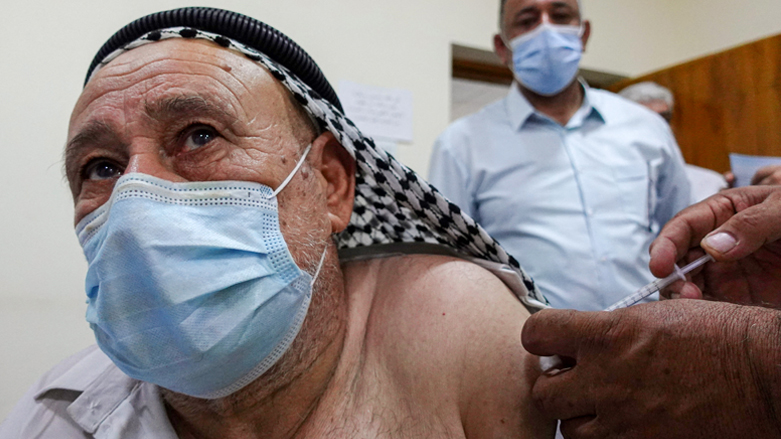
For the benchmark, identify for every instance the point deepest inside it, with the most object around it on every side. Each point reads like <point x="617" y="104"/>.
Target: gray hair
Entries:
<point x="644" y="92"/>
<point x="503" y="2"/>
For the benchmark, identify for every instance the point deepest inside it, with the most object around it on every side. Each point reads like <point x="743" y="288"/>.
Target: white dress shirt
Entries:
<point x="578" y="205"/>
<point x="704" y="182"/>
<point x="87" y="396"/>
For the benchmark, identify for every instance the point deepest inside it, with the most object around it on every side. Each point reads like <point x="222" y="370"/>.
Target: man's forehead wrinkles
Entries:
<point x="181" y="102"/>
<point x="101" y="87"/>
<point x="150" y="85"/>
<point x="186" y="105"/>
<point x="169" y="66"/>
<point x="238" y="97"/>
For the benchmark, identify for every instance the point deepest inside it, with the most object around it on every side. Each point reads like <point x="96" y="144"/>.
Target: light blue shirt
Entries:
<point x="579" y="205"/>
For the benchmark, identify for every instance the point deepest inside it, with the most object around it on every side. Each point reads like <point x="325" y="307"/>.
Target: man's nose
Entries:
<point x="154" y="164"/>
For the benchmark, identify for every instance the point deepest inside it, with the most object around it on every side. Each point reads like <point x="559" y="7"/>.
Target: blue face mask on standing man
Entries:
<point x="546" y="59"/>
<point x="191" y="286"/>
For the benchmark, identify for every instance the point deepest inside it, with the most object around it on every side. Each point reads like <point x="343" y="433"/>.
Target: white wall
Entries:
<point x="46" y="46"/>
<point x="633" y="37"/>
<point x="714" y="25"/>
<point x="629" y="37"/>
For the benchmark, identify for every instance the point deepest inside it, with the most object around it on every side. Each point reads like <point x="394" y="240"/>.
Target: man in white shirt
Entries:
<point x="574" y="182"/>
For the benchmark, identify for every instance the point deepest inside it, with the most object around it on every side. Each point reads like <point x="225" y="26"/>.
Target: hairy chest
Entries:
<point x="375" y="408"/>
<point x="383" y="423"/>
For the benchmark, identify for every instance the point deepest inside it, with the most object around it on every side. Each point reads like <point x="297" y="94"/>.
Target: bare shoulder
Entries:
<point x="468" y="292"/>
<point x="449" y="328"/>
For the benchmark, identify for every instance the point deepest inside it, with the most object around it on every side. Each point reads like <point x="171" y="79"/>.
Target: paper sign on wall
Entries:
<point x="380" y="112"/>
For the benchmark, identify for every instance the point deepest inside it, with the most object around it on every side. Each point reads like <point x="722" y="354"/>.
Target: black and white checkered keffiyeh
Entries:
<point x="392" y="203"/>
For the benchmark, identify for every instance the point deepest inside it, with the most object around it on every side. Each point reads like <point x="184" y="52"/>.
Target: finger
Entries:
<point x="685" y="231"/>
<point x="730" y="178"/>
<point x="776" y="177"/>
<point x="672" y="291"/>
<point x="762" y="173"/>
<point x="583" y="427"/>
<point x="682" y="290"/>
<point x="773" y="178"/>
<point x="557" y="332"/>
<point x="566" y="395"/>
<point x="755" y="224"/>
<point x="664" y="254"/>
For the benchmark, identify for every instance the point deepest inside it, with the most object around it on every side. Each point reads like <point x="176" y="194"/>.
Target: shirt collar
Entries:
<point x="102" y="389"/>
<point x="520" y="110"/>
<point x="81" y="374"/>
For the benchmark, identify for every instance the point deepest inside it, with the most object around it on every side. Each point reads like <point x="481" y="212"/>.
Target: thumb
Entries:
<point x="746" y="231"/>
<point x="557" y="332"/>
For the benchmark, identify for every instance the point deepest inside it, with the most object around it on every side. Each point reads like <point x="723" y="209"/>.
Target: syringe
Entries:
<point x="660" y="284"/>
<point x="552" y="362"/>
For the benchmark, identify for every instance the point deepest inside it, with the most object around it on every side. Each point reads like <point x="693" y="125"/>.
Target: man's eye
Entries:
<point x="527" y="23"/>
<point x="102" y="169"/>
<point x="562" y="18"/>
<point x="198" y="137"/>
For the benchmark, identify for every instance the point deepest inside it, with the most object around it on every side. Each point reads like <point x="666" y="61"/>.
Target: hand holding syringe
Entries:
<point x="548" y="363"/>
<point x="660" y="284"/>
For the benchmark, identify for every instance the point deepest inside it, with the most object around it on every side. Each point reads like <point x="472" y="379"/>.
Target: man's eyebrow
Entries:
<point x="533" y="9"/>
<point x="186" y="106"/>
<point x="527" y="10"/>
<point x="96" y="132"/>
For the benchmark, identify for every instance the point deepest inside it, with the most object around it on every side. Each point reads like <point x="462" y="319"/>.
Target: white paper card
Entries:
<point x="378" y="111"/>
<point x="745" y="166"/>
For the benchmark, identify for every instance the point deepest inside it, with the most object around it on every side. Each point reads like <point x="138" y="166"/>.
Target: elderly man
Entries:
<point x="653" y="96"/>
<point x="680" y="368"/>
<point x="703" y="182"/>
<point x="574" y="182"/>
<point x="257" y="268"/>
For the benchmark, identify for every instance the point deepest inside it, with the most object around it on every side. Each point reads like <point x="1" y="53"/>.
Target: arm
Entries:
<point x="740" y="228"/>
<point x="473" y="322"/>
<point x="498" y="404"/>
<point x="672" y="369"/>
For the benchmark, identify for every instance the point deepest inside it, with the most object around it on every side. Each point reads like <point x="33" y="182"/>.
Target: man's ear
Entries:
<point x="586" y="33"/>
<point x="501" y="50"/>
<point x="337" y="167"/>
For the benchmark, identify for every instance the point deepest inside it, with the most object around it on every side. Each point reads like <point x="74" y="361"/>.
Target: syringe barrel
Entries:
<point x="641" y="294"/>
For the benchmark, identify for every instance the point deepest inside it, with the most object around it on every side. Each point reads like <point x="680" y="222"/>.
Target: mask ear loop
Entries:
<point x="319" y="266"/>
<point x="292" y="173"/>
<point x="282" y="186"/>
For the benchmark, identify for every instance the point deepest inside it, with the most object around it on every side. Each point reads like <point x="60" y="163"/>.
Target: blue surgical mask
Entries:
<point x="546" y="59"/>
<point x="191" y="286"/>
